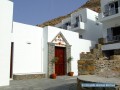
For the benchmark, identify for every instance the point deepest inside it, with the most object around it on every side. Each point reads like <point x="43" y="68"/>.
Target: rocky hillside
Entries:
<point x="91" y="4"/>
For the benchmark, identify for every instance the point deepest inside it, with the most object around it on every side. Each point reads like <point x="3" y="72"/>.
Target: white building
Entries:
<point x="85" y="22"/>
<point x="6" y="9"/>
<point x="110" y="17"/>
<point x="26" y="51"/>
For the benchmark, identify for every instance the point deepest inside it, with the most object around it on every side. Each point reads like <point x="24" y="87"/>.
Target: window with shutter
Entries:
<point x="106" y="13"/>
<point x="109" y="34"/>
<point x="119" y="3"/>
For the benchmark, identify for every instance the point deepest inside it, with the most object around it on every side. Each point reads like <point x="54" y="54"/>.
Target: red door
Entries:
<point x="60" y="64"/>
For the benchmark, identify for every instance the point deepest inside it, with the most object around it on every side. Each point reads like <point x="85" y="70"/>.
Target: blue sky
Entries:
<point x="35" y="12"/>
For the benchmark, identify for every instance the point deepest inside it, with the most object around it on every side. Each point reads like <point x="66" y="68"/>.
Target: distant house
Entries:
<point x="110" y="17"/>
<point x="85" y="22"/>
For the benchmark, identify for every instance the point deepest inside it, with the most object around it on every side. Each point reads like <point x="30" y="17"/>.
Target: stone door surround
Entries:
<point x="51" y="54"/>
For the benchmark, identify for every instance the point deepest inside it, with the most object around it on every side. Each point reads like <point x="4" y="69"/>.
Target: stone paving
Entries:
<point x="61" y="83"/>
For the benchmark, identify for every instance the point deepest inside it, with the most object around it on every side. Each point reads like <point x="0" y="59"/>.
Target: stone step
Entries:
<point x="28" y="76"/>
<point x="21" y="88"/>
<point x="93" y="51"/>
<point x="101" y="41"/>
<point x="98" y="46"/>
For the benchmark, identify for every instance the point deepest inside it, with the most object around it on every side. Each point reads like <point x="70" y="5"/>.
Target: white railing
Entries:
<point x="68" y="27"/>
<point x="111" y="12"/>
<point x="77" y="25"/>
<point x="80" y="25"/>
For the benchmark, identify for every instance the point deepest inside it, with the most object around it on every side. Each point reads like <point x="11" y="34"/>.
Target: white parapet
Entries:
<point x="82" y="25"/>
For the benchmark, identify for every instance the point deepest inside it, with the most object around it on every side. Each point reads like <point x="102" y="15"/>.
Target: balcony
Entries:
<point x="77" y="27"/>
<point x="68" y="27"/>
<point x="109" y="15"/>
<point x="111" y="46"/>
<point x="113" y="42"/>
<point x="111" y="12"/>
<point x="113" y="39"/>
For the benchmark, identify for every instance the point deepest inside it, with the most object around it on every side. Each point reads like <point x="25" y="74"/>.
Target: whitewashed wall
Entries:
<point x="6" y="14"/>
<point x="28" y="58"/>
<point x="45" y="50"/>
<point x="78" y="45"/>
<point x="111" y="46"/>
<point x="106" y="25"/>
<point x="112" y="23"/>
<point x="93" y="27"/>
<point x="82" y="12"/>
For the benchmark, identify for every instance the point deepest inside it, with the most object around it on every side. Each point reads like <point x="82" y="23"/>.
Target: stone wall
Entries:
<point x="117" y="52"/>
<point x="51" y="55"/>
<point x="102" y="41"/>
<point x="28" y="76"/>
<point x="86" y="67"/>
<point x="86" y="64"/>
<point x="94" y="54"/>
<point x="108" y="68"/>
<point x="94" y="62"/>
<point x="91" y="67"/>
<point x="68" y="54"/>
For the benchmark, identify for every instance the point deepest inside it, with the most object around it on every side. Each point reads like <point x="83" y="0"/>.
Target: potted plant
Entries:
<point x="53" y="76"/>
<point x="69" y="62"/>
<point x="53" y="61"/>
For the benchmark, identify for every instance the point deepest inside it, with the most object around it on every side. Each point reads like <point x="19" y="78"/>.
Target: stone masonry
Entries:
<point x="86" y="64"/>
<point x="95" y="62"/>
<point x="51" y="55"/>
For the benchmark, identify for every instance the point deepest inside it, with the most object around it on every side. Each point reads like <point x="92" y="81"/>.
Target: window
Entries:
<point x="96" y="17"/>
<point x="81" y="18"/>
<point x="80" y="36"/>
<point x="64" y="26"/>
<point x="77" y="19"/>
<point x="109" y="34"/>
<point x="68" y="24"/>
<point x="60" y="27"/>
<point x="111" y="8"/>
<point x="119" y="3"/>
<point x="113" y="34"/>
<point x="97" y="23"/>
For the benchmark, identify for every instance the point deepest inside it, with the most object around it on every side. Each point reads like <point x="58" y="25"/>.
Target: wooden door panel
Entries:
<point x="60" y="64"/>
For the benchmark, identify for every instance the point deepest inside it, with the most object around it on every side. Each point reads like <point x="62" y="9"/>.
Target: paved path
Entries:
<point x="61" y="83"/>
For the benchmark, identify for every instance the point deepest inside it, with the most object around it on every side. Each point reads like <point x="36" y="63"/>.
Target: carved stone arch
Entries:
<point x="59" y="41"/>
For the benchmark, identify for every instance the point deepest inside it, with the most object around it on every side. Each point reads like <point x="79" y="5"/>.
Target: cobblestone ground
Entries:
<point x="61" y="83"/>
